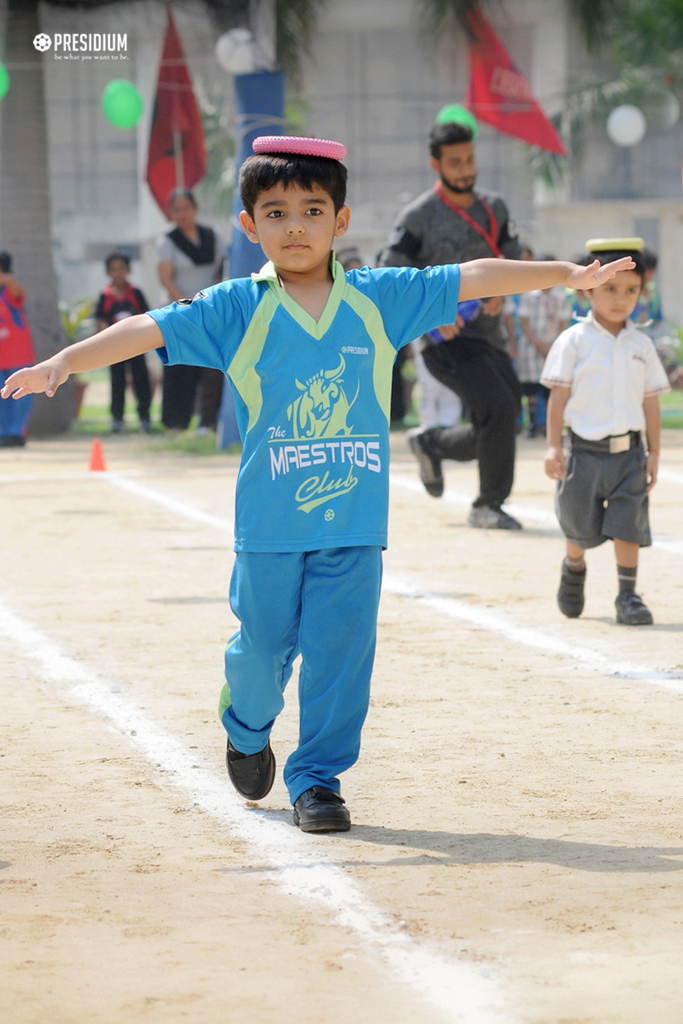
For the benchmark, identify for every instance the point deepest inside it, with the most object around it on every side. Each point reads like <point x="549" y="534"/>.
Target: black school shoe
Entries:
<point x="252" y="775"/>
<point x="632" y="610"/>
<point x="320" y="809"/>
<point x="570" y="597"/>
<point x="431" y="474"/>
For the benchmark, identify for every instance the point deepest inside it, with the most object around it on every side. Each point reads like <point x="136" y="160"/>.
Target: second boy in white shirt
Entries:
<point x="605" y="378"/>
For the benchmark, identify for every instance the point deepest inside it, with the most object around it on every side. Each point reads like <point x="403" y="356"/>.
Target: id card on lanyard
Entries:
<point x="490" y="236"/>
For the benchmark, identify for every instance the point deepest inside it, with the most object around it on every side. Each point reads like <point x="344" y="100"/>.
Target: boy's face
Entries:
<point x="457" y="166"/>
<point x="296" y="228"/>
<point x="614" y="301"/>
<point x="118" y="271"/>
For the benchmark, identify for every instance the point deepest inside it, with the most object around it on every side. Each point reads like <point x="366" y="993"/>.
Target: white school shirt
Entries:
<point x="609" y="377"/>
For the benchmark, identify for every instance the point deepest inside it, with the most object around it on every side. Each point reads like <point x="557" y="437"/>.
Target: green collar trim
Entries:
<point x="269" y="274"/>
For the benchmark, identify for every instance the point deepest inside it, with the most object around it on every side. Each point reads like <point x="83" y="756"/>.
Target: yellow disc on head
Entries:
<point x="615" y="244"/>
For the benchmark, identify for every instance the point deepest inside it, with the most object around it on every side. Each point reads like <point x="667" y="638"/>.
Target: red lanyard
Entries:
<point x="489" y="236"/>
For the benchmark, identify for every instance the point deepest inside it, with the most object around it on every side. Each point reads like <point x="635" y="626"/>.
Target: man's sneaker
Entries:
<point x="252" y="775"/>
<point x="145" y="427"/>
<point x="632" y="610"/>
<point x="486" y="518"/>
<point x="320" y="809"/>
<point x="430" y="465"/>
<point x="570" y="597"/>
<point x="117" y="427"/>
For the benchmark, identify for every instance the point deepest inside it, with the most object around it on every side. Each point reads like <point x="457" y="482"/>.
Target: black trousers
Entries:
<point x="485" y="380"/>
<point x="180" y="392"/>
<point x="141" y="387"/>
<point x="178" y="395"/>
<point x="210" y="394"/>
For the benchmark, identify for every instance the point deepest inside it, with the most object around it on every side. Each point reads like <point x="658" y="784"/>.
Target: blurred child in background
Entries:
<point x="16" y="352"/>
<point x="543" y="315"/>
<point x="118" y="301"/>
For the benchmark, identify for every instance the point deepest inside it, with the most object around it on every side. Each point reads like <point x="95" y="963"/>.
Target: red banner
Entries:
<point x="500" y="95"/>
<point x="177" y="155"/>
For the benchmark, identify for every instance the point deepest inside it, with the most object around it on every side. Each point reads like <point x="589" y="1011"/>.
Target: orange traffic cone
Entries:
<point x="97" y="457"/>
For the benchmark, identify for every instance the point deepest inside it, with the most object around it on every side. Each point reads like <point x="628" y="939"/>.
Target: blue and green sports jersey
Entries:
<point x="312" y="399"/>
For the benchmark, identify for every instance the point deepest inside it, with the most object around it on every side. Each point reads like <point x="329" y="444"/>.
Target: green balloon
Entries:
<point x="461" y="115"/>
<point x="4" y="81"/>
<point x="122" y="103"/>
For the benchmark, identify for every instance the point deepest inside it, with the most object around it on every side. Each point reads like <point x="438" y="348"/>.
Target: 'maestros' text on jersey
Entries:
<point x="312" y="399"/>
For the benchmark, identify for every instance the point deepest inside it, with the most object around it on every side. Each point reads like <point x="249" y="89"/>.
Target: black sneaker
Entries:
<point x="252" y="775"/>
<point x="320" y="809"/>
<point x="632" y="610"/>
<point x="430" y="465"/>
<point x="12" y="441"/>
<point x="483" y="517"/>
<point x="570" y="597"/>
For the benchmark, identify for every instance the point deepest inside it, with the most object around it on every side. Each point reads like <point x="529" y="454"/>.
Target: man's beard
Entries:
<point x="459" y="189"/>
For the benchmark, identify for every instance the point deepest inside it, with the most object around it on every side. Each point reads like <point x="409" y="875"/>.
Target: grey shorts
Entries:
<point x="603" y="497"/>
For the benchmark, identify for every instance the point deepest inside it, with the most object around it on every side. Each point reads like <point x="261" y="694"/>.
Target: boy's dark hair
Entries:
<point x="5" y="262"/>
<point x="650" y="259"/>
<point x="449" y="134"/>
<point x="116" y="255"/>
<point x="635" y="254"/>
<point x="266" y="170"/>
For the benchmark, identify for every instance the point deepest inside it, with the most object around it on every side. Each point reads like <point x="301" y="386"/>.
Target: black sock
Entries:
<point x="627" y="577"/>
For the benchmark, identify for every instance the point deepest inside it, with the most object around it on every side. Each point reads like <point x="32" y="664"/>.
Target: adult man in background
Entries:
<point x="452" y="223"/>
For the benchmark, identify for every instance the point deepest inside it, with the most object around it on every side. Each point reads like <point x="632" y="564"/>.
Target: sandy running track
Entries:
<point x="519" y="812"/>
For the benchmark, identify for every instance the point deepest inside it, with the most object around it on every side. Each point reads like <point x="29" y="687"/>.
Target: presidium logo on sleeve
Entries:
<point x="319" y="413"/>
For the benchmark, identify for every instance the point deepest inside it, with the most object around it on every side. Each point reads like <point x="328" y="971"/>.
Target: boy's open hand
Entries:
<point x="595" y="274"/>
<point x="554" y="464"/>
<point x="651" y="470"/>
<point x="44" y="377"/>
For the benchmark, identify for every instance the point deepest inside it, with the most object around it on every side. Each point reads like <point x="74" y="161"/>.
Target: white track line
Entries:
<point x="180" y="508"/>
<point x="529" y="636"/>
<point x="482" y="618"/>
<point x="460" y="992"/>
<point x="529" y="512"/>
<point x="671" y="476"/>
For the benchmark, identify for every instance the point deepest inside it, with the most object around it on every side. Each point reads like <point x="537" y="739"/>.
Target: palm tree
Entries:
<point x="25" y="223"/>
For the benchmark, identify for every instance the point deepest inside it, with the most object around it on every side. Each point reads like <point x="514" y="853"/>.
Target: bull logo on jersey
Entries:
<point x="322" y="408"/>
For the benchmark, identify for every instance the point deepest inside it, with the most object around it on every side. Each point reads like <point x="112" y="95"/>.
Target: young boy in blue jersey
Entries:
<point x="308" y="351"/>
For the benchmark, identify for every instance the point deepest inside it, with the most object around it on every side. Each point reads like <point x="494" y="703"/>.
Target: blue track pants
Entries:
<point x="322" y="605"/>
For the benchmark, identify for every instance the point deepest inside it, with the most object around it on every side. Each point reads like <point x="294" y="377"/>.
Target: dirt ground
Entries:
<point x="514" y="809"/>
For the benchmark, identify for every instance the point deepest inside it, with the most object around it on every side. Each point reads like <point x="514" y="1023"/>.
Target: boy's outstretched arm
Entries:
<point x="123" y="340"/>
<point x="481" y="278"/>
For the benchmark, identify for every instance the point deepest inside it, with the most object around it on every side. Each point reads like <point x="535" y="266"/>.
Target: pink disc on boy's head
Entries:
<point x="300" y="145"/>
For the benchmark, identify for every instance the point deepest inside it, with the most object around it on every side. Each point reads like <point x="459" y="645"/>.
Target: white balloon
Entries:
<point x="626" y="125"/>
<point x="235" y="51"/>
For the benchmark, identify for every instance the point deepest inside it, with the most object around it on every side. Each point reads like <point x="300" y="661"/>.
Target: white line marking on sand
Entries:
<point x="180" y="508"/>
<point x="462" y="993"/>
<point x="531" y="513"/>
<point x="529" y="636"/>
<point x="671" y="476"/>
<point x="483" y="618"/>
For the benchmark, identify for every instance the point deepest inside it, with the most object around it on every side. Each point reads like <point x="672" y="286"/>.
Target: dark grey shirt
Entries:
<point x="428" y="233"/>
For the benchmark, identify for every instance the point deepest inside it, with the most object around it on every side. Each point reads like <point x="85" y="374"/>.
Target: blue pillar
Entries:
<point x="260" y="100"/>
